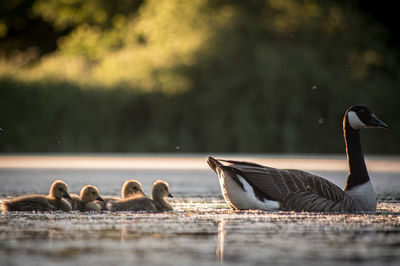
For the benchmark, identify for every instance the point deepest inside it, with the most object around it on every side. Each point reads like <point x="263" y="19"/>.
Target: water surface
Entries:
<point x="202" y="230"/>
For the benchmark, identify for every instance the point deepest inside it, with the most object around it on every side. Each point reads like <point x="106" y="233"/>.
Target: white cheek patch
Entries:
<point x="354" y="121"/>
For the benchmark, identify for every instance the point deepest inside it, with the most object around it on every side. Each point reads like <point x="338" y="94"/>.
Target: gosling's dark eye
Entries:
<point x="60" y="189"/>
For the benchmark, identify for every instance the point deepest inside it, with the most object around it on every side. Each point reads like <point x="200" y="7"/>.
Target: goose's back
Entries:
<point x="294" y="189"/>
<point x="309" y="192"/>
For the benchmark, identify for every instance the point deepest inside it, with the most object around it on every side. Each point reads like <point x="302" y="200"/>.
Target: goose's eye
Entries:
<point x="60" y="189"/>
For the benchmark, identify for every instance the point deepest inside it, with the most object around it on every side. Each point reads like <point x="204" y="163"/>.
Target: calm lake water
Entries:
<point x="202" y="230"/>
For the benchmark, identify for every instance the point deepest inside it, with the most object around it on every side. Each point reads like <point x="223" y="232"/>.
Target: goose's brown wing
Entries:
<point x="294" y="189"/>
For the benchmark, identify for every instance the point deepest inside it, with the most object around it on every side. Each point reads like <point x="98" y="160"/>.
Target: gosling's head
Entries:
<point x="90" y="193"/>
<point x="59" y="189"/>
<point x="359" y="116"/>
<point x="160" y="189"/>
<point x="131" y="188"/>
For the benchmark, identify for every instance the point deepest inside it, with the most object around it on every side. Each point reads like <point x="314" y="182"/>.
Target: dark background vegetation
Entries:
<point x="195" y="76"/>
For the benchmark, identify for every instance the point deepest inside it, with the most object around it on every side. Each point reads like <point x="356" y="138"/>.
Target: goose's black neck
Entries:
<point x="358" y="171"/>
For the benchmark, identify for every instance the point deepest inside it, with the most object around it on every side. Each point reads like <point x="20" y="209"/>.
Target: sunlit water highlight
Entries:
<point x="201" y="230"/>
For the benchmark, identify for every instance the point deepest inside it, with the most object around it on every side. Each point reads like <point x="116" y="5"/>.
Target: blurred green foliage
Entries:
<point x="194" y="76"/>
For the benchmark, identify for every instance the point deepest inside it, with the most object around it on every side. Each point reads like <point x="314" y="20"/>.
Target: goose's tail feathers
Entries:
<point x="213" y="163"/>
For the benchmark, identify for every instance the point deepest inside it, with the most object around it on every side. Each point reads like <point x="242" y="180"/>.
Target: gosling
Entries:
<point x="52" y="202"/>
<point x="84" y="202"/>
<point x="160" y="191"/>
<point x="131" y="188"/>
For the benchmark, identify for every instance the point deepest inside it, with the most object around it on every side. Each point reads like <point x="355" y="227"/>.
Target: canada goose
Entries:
<point x="131" y="188"/>
<point x="248" y="185"/>
<point x="51" y="202"/>
<point x="84" y="202"/>
<point x="160" y="190"/>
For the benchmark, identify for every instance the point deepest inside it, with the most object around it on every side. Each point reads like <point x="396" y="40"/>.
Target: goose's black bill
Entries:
<point x="376" y="122"/>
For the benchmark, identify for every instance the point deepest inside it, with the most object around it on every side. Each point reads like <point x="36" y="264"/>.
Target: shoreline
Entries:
<point x="388" y="164"/>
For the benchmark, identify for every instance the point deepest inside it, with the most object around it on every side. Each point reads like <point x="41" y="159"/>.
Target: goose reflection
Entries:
<point x="124" y="233"/>
<point x="221" y="240"/>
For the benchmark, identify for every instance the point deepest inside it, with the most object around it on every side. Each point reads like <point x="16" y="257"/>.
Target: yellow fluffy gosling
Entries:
<point x="131" y="188"/>
<point x="53" y="201"/>
<point x="160" y="191"/>
<point x="85" y="202"/>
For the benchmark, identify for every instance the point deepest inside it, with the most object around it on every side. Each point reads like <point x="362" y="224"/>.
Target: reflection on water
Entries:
<point x="124" y="233"/>
<point x="221" y="240"/>
<point x="196" y="233"/>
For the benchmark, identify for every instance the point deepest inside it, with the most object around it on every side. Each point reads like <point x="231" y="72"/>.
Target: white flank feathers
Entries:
<point x="253" y="201"/>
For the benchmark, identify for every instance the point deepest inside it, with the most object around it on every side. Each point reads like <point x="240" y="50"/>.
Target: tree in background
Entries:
<point x="231" y="76"/>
